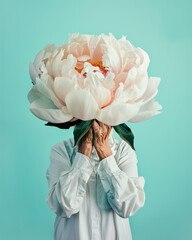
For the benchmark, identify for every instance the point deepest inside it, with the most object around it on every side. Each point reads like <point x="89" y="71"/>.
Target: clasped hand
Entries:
<point x="97" y="137"/>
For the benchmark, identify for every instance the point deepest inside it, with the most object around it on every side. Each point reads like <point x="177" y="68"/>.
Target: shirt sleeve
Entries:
<point x="123" y="187"/>
<point x="67" y="182"/>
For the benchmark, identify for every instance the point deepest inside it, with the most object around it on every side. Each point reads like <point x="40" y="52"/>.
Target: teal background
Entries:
<point x="163" y="143"/>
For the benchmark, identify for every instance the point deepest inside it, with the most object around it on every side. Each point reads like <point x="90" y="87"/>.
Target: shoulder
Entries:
<point x="64" y="147"/>
<point x="125" y="151"/>
<point x="60" y="156"/>
<point x="122" y="145"/>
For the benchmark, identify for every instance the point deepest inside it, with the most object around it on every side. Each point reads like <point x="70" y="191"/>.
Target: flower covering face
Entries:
<point x="93" y="77"/>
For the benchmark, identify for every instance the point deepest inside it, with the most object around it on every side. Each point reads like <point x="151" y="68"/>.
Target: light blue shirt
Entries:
<point x="93" y="199"/>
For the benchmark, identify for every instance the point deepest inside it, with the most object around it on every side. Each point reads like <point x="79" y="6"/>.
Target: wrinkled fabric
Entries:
<point x="94" y="199"/>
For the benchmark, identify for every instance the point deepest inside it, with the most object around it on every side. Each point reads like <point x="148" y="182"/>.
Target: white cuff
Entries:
<point x="107" y="165"/>
<point x="81" y="161"/>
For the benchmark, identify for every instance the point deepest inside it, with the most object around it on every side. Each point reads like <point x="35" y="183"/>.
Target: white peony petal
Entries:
<point x="89" y="68"/>
<point x="56" y="64"/>
<point x="34" y="68"/>
<point x="37" y="61"/>
<point x="46" y="91"/>
<point x="109" y="81"/>
<point x="151" y="90"/>
<point x="63" y="85"/>
<point x="33" y="94"/>
<point x="83" y="58"/>
<point x="101" y="94"/>
<point x="32" y="72"/>
<point x="93" y="79"/>
<point x="135" y="91"/>
<point x="95" y="48"/>
<point x="128" y="60"/>
<point x="44" y="109"/>
<point x="73" y="36"/>
<point x="117" y="113"/>
<point x="111" y="59"/>
<point x="145" y="58"/>
<point x="131" y="76"/>
<point x="146" y="111"/>
<point x="76" y="37"/>
<point x="49" y="48"/>
<point x="67" y="66"/>
<point x="81" y="104"/>
<point x="126" y="44"/>
<point x="49" y="62"/>
<point x="152" y="105"/>
<point x="94" y="84"/>
<point x="119" y="94"/>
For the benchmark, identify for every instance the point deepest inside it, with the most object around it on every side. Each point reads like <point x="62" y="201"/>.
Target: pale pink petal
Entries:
<point x="44" y="89"/>
<point x="56" y="66"/>
<point x="112" y="55"/>
<point x="151" y="90"/>
<point x="117" y="113"/>
<point x="77" y="37"/>
<point x="96" y="52"/>
<point x="102" y="95"/>
<point x="144" y="60"/>
<point x="34" y="68"/>
<point x="148" y="110"/>
<point x="129" y="60"/>
<point x="126" y="44"/>
<point x="32" y="72"/>
<point x="137" y="89"/>
<point x="81" y="104"/>
<point x="33" y="94"/>
<point x="83" y="58"/>
<point x="121" y="77"/>
<point x="49" y="48"/>
<point x="109" y="81"/>
<point x="63" y="85"/>
<point x="112" y="60"/>
<point x="43" y="108"/>
<point x="67" y="67"/>
<point x="38" y="59"/>
<point x="47" y="114"/>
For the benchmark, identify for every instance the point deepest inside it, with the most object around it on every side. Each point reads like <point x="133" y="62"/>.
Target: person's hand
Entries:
<point x="85" y="144"/>
<point x="101" y="134"/>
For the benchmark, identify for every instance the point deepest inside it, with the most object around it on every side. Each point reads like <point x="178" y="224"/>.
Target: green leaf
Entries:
<point x="65" y="125"/>
<point x="125" y="133"/>
<point x="81" y="129"/>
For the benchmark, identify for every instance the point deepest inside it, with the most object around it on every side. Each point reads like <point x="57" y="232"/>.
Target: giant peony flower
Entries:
<point x="93" y="77"/>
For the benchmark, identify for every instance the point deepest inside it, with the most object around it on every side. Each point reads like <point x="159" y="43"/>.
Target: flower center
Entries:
<point x="100" y="65"/>
<point x="95" y="64"/>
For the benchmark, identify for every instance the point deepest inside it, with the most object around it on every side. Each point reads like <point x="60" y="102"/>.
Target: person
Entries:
<point x="94" y="186"/>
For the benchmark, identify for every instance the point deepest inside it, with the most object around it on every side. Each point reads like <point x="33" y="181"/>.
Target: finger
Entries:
<point x="109" y="129"/>
<point x="90" y="133"/>
<point x="95" y="126"/>
<point x="105" y="128"/>
<point x="91" y="130"/>
<point x="102" y="125"/>
<point x="98" y="122"/>
<point x="87" y="134"/>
